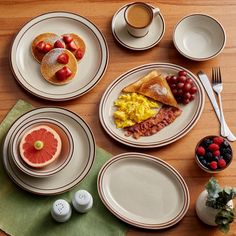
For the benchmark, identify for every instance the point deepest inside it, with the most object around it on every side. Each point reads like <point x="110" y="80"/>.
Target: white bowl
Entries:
<point x="199" y="37"/>
<point x="56" y="166"/>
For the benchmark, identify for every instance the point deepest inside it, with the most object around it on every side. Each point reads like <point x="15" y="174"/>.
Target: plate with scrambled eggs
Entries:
<point x="119" y="110"/>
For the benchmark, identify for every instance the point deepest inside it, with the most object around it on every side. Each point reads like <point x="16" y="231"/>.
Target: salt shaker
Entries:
<point x="61" y="210"/>
<point x="82" y="201"/>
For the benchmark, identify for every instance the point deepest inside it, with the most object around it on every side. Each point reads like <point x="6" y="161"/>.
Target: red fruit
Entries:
<point x="59" y="44"/>
<point x="213" y="147"/>
<point x="72" y="46"/>
<point x="40" y="46"/>
<point x="63" y="73"/>
<point x="193" y="90"/>
<point x="67" y="38"/>
<point x="218" y="140"/>
<point x="216" y="153"/>
<point x="201" y="151"/>
<point x="63" y="58"/>
<point x="79" y="54"/>
<point x="182" y="73"/>
<point x="213" y="165"/>
<point x="222" y="163"/>
<point x="47" y="48"/>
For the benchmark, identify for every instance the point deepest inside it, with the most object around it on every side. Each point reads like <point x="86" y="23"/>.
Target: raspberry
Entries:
<point x="218" y="140"/>
<point x="213" y="147"/>
<point x="201" y="151"/>
<point x="213" y="165"/>
<point x="222" y="163"/>
<point x="216" y="153"/>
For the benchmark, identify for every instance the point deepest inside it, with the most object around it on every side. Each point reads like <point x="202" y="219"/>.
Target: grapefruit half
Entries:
<point x="40" y="146"/>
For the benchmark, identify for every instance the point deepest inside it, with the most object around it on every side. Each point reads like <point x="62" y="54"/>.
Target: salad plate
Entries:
<point x="90" y="69"/>
<point x="73" y="173"/>
<point x="143" y="191"/>
<point x="174" y="131"/>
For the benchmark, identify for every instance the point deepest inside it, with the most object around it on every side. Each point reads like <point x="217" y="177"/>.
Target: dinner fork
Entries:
<point x="217" y="86"/>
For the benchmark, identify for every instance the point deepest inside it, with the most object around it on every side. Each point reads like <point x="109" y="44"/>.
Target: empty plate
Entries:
<point x="199" y="37"/>
<point x="143" y="191"/>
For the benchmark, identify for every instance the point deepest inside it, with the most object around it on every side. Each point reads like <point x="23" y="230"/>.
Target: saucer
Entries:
<point x="121" y="34"/>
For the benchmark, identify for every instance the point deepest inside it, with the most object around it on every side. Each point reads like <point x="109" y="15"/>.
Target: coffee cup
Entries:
<point x="138" y="17"/>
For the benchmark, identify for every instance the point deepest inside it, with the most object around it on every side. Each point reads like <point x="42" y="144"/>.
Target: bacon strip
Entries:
<point x="164" y="117"/>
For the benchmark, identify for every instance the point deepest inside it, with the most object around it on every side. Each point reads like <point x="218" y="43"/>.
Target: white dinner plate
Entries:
<point x="77" y="168"/>
<point x="90" y="69"/>
<point x="120" y="33"/>
<point x="143" y="191"/>
<point x="180" y="127"/>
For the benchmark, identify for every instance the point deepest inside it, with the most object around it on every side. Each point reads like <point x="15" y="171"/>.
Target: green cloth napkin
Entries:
<point x="26" y="214"/>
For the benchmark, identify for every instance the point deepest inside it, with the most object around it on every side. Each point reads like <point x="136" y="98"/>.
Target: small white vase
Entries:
<point x="207" y="214"/>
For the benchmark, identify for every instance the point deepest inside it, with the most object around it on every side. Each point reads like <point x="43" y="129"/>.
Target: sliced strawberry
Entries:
<point x="67" y="38"/>
<point x="40" y="46"/>
<point x="63" y="58"/>
<point x="72" y="46"/>
<point x="47" y="48"/>
<point x="63" y="73"/>
<point x="59" y="44"/>
<point x="79" y="54"/>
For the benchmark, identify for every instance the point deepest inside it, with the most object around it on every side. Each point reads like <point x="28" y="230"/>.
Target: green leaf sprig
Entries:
<point x="218" y="198"/>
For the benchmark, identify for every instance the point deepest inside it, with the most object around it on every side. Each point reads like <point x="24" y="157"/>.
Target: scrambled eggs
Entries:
<point x="133" y="108"/>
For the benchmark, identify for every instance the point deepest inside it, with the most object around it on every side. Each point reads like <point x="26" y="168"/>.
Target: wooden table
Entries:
<point x="15" y="13"/>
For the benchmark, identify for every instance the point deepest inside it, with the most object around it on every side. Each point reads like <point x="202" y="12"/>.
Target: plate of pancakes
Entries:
<point x="172" y="119"/>
<point x="59" y="56"/>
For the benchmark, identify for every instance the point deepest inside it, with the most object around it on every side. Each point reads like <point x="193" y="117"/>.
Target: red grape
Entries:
<point x="182" y="79"/>
<point x="187" y="87"/>
<point x="182" y="72"/>
<point x="189" y="80"/>
<point x="173" y="86"/>
<point x="192" y="97"/>
<point x="180" y="85"/>
<point x="174" y="91"/>
<point x="173" y="79"/>
<point x="193" y="90"/>
<point x="180" y="92"/>
<point x="187" y="95"/>
<point x="186" y="101"/>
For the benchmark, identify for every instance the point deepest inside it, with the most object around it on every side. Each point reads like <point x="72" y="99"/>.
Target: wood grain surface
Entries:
<point x="14" y="14"/>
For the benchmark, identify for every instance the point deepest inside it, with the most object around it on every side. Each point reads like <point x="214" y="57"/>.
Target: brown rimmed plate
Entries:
<point x="90" y="69"/>
<point x="180" y="127"/>
<point x="143" y="191"/>
<point x="77" y="168"/>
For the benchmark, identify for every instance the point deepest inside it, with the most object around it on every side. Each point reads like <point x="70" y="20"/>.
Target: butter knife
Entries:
<point x="207" y="85"/>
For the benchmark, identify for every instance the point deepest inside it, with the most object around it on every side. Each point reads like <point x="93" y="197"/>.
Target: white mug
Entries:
<point x="138" y="17"/>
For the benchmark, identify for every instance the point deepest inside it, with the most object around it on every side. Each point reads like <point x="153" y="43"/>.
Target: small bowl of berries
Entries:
<point x="213" y="154"/>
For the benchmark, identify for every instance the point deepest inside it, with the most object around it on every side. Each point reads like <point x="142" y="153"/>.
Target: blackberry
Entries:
<point x="228" y="157"/>
<point x="225" y="144"/>
<point x="215" y="159"/>
<point x="225" y="151"/>
<point x="201" y="158"/>
<point x="206" y="142"/>
<point x="204" y="162"/>
<point x="208" y="155"/>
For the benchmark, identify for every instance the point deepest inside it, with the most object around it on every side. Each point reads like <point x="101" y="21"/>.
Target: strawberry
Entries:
<point x="218" y="140"/>
<point x="63" y="58"/>
<point x="72" y="46"/>
<point x="201" y="151"/>
<point x="216" y="153"/>
<point x="40" y="46"/>
<point x="222" y="163"/>
<point x="59" y="44"/>
<point x="213" y="165"/>
<point x="67" y="38"/>
<point x="79" y="54"/>
<point x="63" y="73"/>
<point x="47" y="48"/>
<point x="213" y="147"/>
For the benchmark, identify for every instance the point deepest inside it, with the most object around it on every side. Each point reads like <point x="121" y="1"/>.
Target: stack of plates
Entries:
<point x="75" y="160"/>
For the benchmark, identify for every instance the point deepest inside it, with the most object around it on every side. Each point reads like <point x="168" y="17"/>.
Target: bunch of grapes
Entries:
<point x="182" y="87"/>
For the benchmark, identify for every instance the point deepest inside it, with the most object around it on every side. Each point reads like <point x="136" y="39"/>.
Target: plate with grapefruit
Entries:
<point x="39" y="137"/>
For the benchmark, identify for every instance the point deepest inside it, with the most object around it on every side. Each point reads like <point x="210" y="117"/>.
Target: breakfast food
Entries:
<point x="40" y="146"/>
<point x="182" y="87"/>
<point x="44" y="43"/>
<point x="59" y="66"/>
<point x="156" y="91"/>
<point x="214" y="153"/>
<point x="75" y="44"/>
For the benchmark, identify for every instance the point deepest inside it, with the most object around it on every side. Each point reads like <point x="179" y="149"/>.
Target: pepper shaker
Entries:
<point x="61" y="210"/>
<point x="82" y="201"/>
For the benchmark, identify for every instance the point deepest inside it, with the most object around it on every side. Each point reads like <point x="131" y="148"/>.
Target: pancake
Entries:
<point x="79" y="42"/>
<point x="49" y="66"/>
<point x="48" y="38"/>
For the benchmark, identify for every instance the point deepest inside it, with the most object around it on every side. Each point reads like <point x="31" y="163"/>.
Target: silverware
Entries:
<point x="207" y="85"/>
<point x="217" y="86"/>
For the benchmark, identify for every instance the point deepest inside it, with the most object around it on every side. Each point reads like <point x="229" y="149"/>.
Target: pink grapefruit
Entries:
<point x="40" y="146"/>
